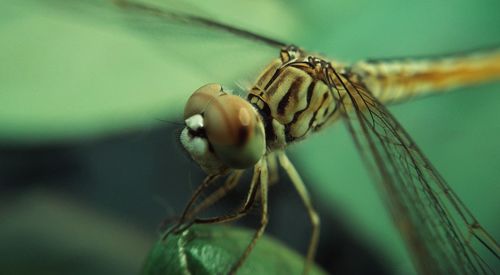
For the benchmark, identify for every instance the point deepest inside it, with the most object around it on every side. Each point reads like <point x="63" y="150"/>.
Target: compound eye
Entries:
<point x="235" y="131"/>
<point x="201" y="98"/>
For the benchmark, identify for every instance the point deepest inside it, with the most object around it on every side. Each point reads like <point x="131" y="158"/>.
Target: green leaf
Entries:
<point x="213" y="249"/>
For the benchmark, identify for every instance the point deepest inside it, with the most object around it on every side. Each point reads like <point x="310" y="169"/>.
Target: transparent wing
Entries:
<point x="160" y="12"/>
<point x="195" y="20"/>
<point x="442" y="234"/>
<point x="181" y="32"/>
<point x="104" y="61"/>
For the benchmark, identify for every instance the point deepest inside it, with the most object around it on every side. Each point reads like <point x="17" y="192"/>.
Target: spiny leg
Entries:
<point x="273" y="169"/>
<point x="244" y="208"/>
<point x="304" y="195"/>
<point x="199" y="190"/>
<point x="259" y="179"/>
<point x="231" y="182"/>
<point x="263" y="221"/>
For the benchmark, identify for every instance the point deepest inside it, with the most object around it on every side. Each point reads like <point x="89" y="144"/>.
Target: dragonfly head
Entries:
<point x="222" y="131"/>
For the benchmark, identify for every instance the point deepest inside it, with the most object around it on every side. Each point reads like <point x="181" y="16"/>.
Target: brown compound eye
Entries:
<point x="201" y="98"/>
<point x="232" y="126"/>
<point x="235" y="131"/>
<point x="229" y="120"/>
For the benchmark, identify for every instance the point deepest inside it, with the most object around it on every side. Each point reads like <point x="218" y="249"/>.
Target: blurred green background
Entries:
<point x="88" y="170"/>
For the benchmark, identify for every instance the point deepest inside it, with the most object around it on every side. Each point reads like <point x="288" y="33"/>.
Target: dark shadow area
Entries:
<point x="95" y="207"/>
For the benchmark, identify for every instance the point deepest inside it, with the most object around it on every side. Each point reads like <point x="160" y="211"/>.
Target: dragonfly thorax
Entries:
<point x="222" y="130"/>
<point x="293" y="99"/>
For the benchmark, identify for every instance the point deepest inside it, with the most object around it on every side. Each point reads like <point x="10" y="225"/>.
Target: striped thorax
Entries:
<point x="293" y="98"/>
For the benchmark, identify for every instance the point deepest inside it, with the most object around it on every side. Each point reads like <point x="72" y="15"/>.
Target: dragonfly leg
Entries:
<point x="264" y="177"/>
<point x="306" y="199"/>
<point x="273" y="169"/>
<point x="260" y="178"/>
<point x="242" y="211"/>
<point x="199" y="190"/>
<point x="231" y="182"/>
<point x="245" y="207"/>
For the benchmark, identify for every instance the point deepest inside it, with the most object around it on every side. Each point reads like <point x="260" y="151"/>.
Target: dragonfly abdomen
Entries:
<point x="401" y="80"/>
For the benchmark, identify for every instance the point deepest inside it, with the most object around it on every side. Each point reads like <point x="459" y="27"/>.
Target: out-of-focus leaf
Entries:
<point x="213" y="249"/>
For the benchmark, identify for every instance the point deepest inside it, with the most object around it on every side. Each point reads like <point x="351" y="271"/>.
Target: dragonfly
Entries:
<point x="300" y="93"/>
